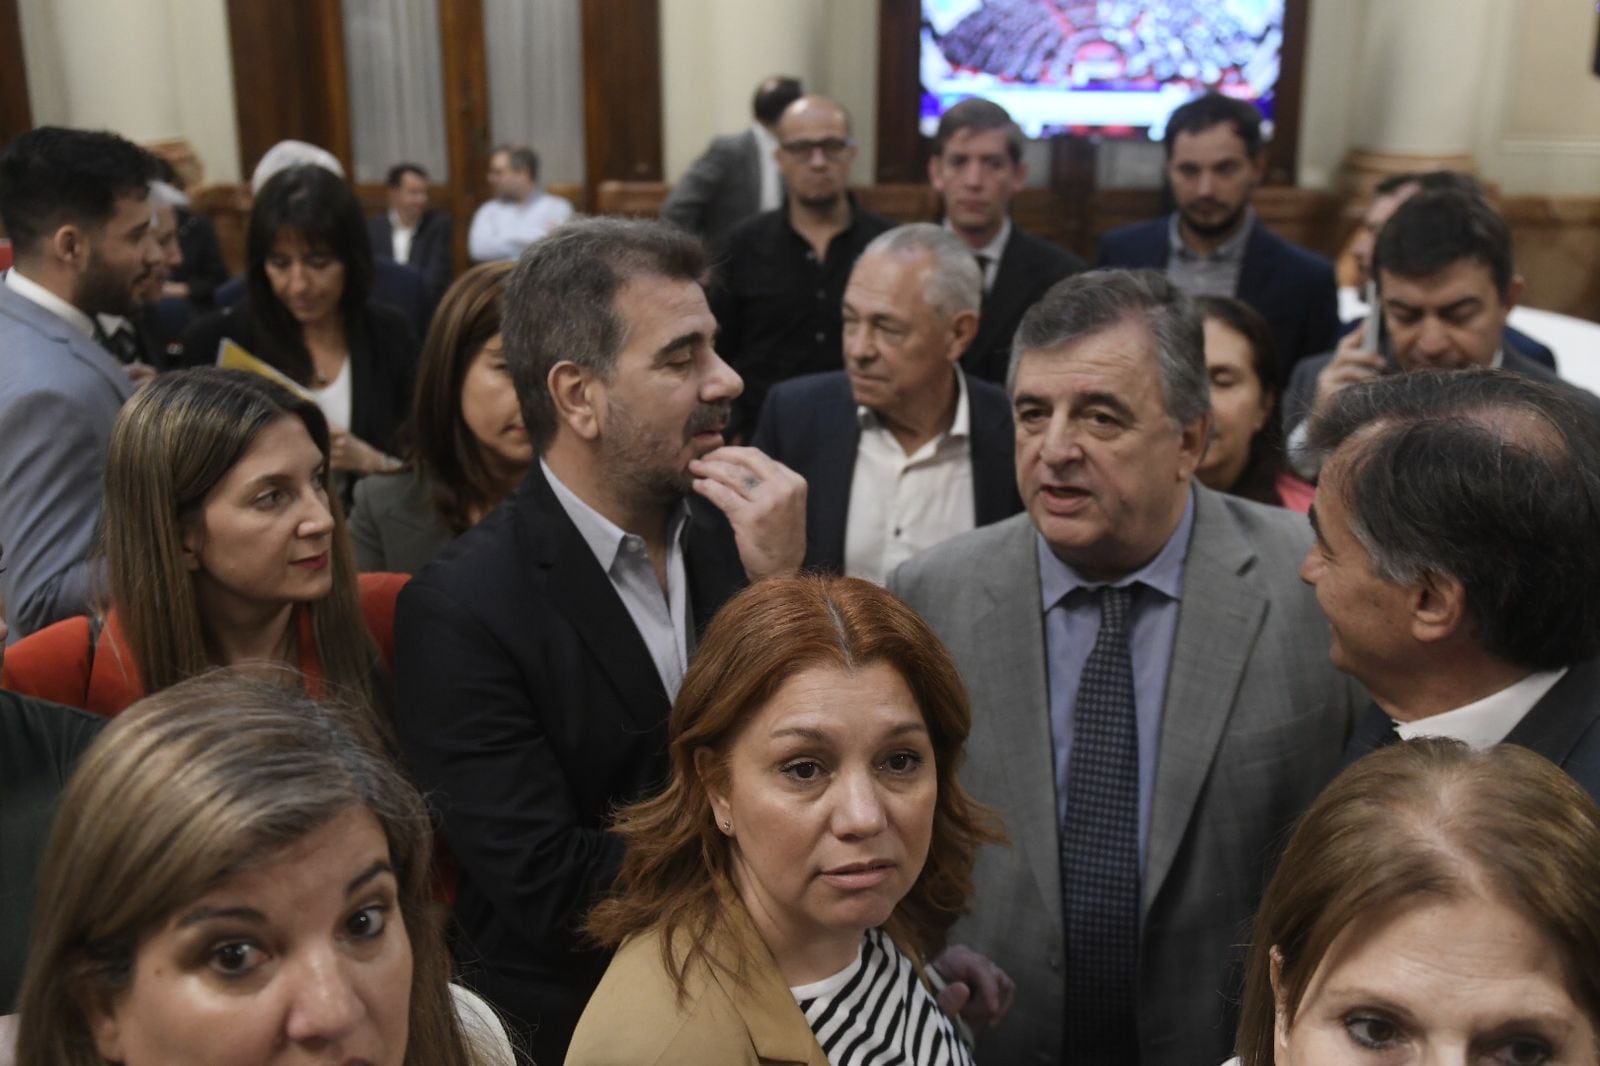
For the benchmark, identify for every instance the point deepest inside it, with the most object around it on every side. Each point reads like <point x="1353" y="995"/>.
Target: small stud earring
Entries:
<point x="727" y="825"/>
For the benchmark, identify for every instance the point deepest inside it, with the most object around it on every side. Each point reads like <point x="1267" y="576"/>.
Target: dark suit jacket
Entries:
<point x="39" y="743"/>
<point x="1564" y="727"/>
<point x="719" y="190"/>
<point x="1293" y="289"/>
<point x="809" y="425"/>
<point x="431" y="252"/>
<point x="1302" y="390"/>
<point x="528" y="708"/>
<point x="1028" y="267"/>
<point x="394" y="525"/>
<point x="400" y="287"/>
<point x="383" y="365"/>
<point x="1511" y="339"/>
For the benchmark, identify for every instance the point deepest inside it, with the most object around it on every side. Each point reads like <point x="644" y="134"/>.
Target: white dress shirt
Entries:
<point x="400" y="238"/>
<point x="901" y="504"/>
<point x="36" y="293"/>
<point x="503" y="229"/>
<point x="771" y="180"/>
<point x="990" y="252"/>
<point x="1486" y="722"/>
<point x="662" y="620"/>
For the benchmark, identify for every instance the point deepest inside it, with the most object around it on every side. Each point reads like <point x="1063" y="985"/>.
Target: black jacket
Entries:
<point x="1028" y="267"/>
<point x="529" y="708"/>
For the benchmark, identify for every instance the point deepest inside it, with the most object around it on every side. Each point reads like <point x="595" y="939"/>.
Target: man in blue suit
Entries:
<point x="903" y="448"/>
<point x="76" y="206"/>
<point x="1214" y="245"/>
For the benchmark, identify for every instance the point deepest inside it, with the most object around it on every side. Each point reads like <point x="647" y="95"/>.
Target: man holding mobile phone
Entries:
<point x="1445" y="284"/>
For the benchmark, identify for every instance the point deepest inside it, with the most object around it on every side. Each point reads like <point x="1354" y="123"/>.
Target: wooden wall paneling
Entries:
<point x="902" y="150"/>
<point x="466" y="108"/>
<point x="289" y="76"/>
<point x="1556" y="240"/>
<point x="1283" y="152"/>
<point x="16" y="111"/>
<point x="621" y="92"/>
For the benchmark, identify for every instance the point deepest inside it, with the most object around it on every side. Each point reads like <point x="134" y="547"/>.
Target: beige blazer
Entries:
<point x="750" y="1019"/>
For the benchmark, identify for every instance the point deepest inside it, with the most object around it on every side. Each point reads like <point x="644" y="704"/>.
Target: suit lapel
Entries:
<point x="1374" y="730"/>
<point x="1011" y="671"/>
<point x="1557" y="722"/>
<point x="83" y="348"/>
<point x="994" y="492"/>
<point x="830" y="479"/>
<point x="1255" y="273"/>
<point x="1218" y="623"/>
<point x="580" y="590"/>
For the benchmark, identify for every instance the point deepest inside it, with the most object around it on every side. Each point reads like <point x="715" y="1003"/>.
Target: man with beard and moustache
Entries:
<point x="76" y="206"/>
<point x="1214" y="245"/>
<point x="780" y="285"/>
<point x="139" y="341"/>
<point x="538" y="656"/>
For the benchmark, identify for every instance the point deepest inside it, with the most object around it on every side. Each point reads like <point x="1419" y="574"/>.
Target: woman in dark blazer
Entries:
<point x="308" y="316"/>
<point x="468" y="446"/>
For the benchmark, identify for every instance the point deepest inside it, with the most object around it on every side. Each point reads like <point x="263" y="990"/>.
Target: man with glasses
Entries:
<point x="778" y="295"/>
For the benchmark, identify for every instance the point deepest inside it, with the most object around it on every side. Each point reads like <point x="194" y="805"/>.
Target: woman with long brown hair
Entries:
<point x="223" y="547"/>
<point x="811" y="849"/>
<point x="468" y="445"/>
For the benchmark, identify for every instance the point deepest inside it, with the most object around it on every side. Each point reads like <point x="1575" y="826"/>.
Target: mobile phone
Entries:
<point x="1372" y="330"/>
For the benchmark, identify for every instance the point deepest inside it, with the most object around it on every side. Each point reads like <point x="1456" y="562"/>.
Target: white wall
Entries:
<point x="163" y="68"/>
<point x="715" y="52"/>
<point x="149" y="69"/>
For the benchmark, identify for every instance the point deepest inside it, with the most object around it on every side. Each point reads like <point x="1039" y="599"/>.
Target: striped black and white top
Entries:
<point x="876" y="1012"/>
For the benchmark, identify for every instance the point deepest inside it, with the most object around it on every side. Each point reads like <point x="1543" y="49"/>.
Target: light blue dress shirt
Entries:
<point x="1071" y="624"/>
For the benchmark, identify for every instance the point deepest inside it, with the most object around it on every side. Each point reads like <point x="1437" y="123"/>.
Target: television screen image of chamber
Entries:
<point x="1107" y="68"/>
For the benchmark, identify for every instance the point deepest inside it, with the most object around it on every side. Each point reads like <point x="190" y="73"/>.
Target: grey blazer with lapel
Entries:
<point x="393" y="523"/>
<point x="720" y="189"/>
<point x="1255" y="717"/>
<point x="59" y="395"/>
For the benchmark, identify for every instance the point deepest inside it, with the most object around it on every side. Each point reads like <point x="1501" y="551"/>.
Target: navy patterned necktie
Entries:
<point x="1100" y="851"/>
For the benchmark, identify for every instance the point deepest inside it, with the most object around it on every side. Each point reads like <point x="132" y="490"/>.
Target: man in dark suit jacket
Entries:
<point x="1214" y="245"/>
<point x="977" y="168"/>
<point x="1446" y="283"/>
<point x="901" y="449"/>
<point x="1455" y="561"/>
<point x="737" y="176"/>
<point x="538" y="656"/>
<point x="412" y="228"/>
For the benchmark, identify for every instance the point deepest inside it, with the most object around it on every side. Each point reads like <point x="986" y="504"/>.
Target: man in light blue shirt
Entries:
<point x="1152" y="702"/>
<point x="521" y="211"/>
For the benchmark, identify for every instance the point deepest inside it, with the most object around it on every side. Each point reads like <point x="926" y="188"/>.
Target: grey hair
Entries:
<point x="956" y="283"/>
<point x="560" y="302"/>
<point x="1098" y="300"/>
<point x="165" y="194"/>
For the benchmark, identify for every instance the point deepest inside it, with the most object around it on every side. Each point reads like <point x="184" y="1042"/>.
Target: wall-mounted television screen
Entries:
<point x="1111" y="68"/>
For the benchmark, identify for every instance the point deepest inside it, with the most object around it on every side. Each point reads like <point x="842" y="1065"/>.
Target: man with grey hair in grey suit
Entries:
<point x="76" y="206"/>
<point x="1152" y="701"/>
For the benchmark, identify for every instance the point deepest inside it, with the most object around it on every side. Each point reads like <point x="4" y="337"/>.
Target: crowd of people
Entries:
<point x="772" y="634"/>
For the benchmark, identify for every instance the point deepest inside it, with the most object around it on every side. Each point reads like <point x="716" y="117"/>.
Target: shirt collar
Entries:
<point x="1164" y="573"/>
<point x="111" y="325"/>
<point x="395" y="223"/>
<point x="1486" y="722"/>
<point x="604" y="537"/>
<point x="960" y="425"/>
<point x="995" y="248"/>
<point x="766" y="140"/>
<point x="1228" y="251"/>
<point x="31" y="290"/>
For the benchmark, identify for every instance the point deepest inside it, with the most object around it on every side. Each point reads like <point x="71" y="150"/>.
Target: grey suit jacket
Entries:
<point x="59" y="395"/>
<point x="719" y="190"/>
<point x="393" y="523"/>
<point x="1255" y="718"/>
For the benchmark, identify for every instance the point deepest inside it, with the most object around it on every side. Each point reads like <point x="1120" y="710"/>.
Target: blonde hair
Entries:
<point x="174" y="440"/>
<point x="184" y="790"/>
